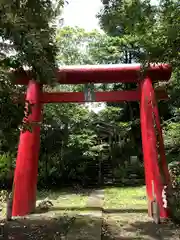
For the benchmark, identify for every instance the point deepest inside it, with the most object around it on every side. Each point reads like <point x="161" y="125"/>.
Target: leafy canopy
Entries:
<point x="27" y="27"/>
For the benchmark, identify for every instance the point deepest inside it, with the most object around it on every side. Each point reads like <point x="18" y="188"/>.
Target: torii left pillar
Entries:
<point x="25" y="178"/>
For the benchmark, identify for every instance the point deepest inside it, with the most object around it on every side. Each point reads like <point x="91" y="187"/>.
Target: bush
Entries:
<point x="174" y="170"/>
<point x="7" y="162"/>
<point x="133" y="174"/>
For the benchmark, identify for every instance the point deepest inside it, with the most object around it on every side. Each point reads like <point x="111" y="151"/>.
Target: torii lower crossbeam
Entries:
<point x="78" y="97"/>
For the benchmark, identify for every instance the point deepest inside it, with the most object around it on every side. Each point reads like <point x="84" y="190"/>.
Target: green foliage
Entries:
<point x="26" y="26"/>
<point x="172" y="137"/>
<point x="67" y="144"/>
<point x="153" y="29"/>
<point x="114" y="16"/>
<point x="7" y="162"/>
<point x="107" y="50"/>
<point x="174" y="170"/>
<point x="3" y="196"/>
<point x="73" y="45"/>
<point x="27" y="40"/>
<point x="11" y="114"/>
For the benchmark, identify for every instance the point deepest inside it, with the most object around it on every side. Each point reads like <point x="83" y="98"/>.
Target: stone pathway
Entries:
<point x="88" y="224"/>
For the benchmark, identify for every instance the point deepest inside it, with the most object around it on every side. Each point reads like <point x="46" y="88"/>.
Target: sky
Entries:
<point x="82" y="13"/>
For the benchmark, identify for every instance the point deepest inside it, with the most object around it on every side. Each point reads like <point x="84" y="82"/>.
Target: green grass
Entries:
<point x="65" y="202"/>
<point x="125" y="198"/>
<point x="64" y="199"/>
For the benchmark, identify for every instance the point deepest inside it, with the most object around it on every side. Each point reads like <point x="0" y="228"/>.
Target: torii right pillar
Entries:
<point x="156" y="169"/>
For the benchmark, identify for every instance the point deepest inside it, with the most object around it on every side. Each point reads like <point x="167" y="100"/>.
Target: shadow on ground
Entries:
<point x="150" y="229"/>
<point x="81" y="227"/>
<point x="109" y="211"/>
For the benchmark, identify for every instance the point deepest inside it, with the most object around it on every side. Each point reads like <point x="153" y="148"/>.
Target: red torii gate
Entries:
<point x="156" y="171"/>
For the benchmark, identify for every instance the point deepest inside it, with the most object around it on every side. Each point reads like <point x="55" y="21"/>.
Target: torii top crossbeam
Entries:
<point x="125" y="73"/>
